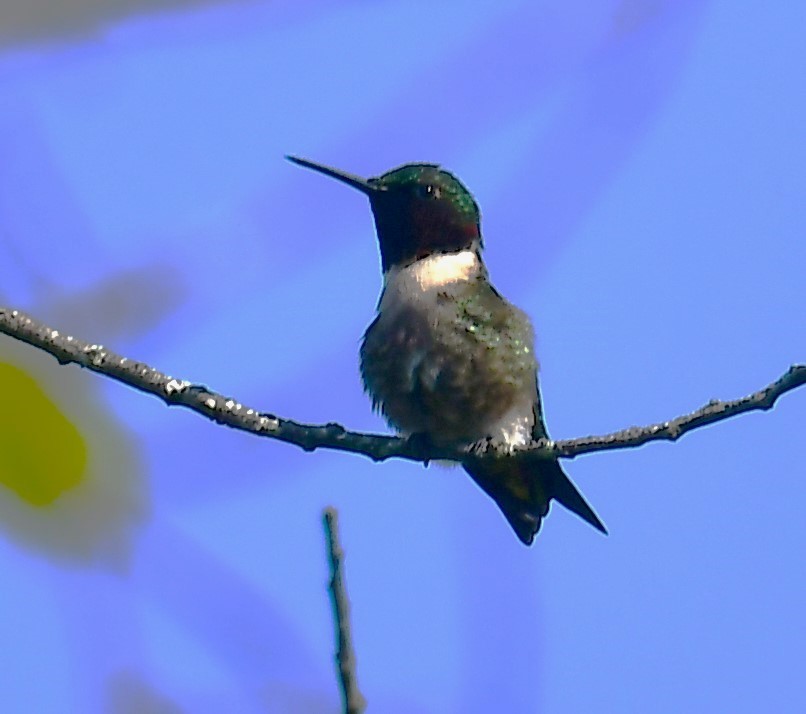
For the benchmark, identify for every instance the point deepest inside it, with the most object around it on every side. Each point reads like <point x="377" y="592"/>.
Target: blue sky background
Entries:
<point x="640" y="168"/>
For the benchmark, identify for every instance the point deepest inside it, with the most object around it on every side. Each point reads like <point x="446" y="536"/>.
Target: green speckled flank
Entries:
<point x="501" y="331"/>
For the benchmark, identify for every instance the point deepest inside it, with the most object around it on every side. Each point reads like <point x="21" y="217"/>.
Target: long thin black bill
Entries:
<point x="351" y="180"/>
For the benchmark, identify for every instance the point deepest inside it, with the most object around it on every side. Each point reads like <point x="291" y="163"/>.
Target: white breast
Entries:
<point x="426" y="276"/>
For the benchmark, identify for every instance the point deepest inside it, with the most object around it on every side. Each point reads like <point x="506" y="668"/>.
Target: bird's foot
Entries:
<point x="421" y="443"/>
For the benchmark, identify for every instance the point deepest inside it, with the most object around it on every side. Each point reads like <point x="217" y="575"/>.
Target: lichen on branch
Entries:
<point x="225" y="410"/>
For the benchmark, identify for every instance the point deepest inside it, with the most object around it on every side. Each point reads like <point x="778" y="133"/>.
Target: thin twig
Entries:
<point x="224" y="410"/>
<point x="352" y="699"/>
<point x="672" y="430"/>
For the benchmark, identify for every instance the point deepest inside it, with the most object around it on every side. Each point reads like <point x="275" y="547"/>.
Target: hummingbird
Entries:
<point x="447" y="358"/>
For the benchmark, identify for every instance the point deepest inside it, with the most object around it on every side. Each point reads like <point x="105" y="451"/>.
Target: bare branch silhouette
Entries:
<point x="352" y="699"/>
<point x="228" y="411"/>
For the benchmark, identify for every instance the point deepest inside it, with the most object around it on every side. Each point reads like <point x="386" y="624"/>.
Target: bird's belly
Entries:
<point x="452" y="384"/>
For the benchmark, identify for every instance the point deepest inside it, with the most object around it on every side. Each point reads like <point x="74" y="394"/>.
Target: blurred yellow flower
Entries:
<point x="72" y="482"/>
<point x="42" y="453"/>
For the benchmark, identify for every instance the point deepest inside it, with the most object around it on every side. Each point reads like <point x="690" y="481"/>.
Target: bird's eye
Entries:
<point x="429" y="191"/>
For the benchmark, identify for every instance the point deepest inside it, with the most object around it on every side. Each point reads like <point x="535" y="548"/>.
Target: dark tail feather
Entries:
<point x="566" y="493"/>
<point x="523" y="490"/>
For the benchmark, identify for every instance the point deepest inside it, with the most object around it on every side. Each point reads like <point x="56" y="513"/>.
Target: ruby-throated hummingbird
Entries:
<point x="447" y="357"/>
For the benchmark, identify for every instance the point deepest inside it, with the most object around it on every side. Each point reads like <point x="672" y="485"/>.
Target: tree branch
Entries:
<point x="352" y="699"/>
<point x="224" y="410"/>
